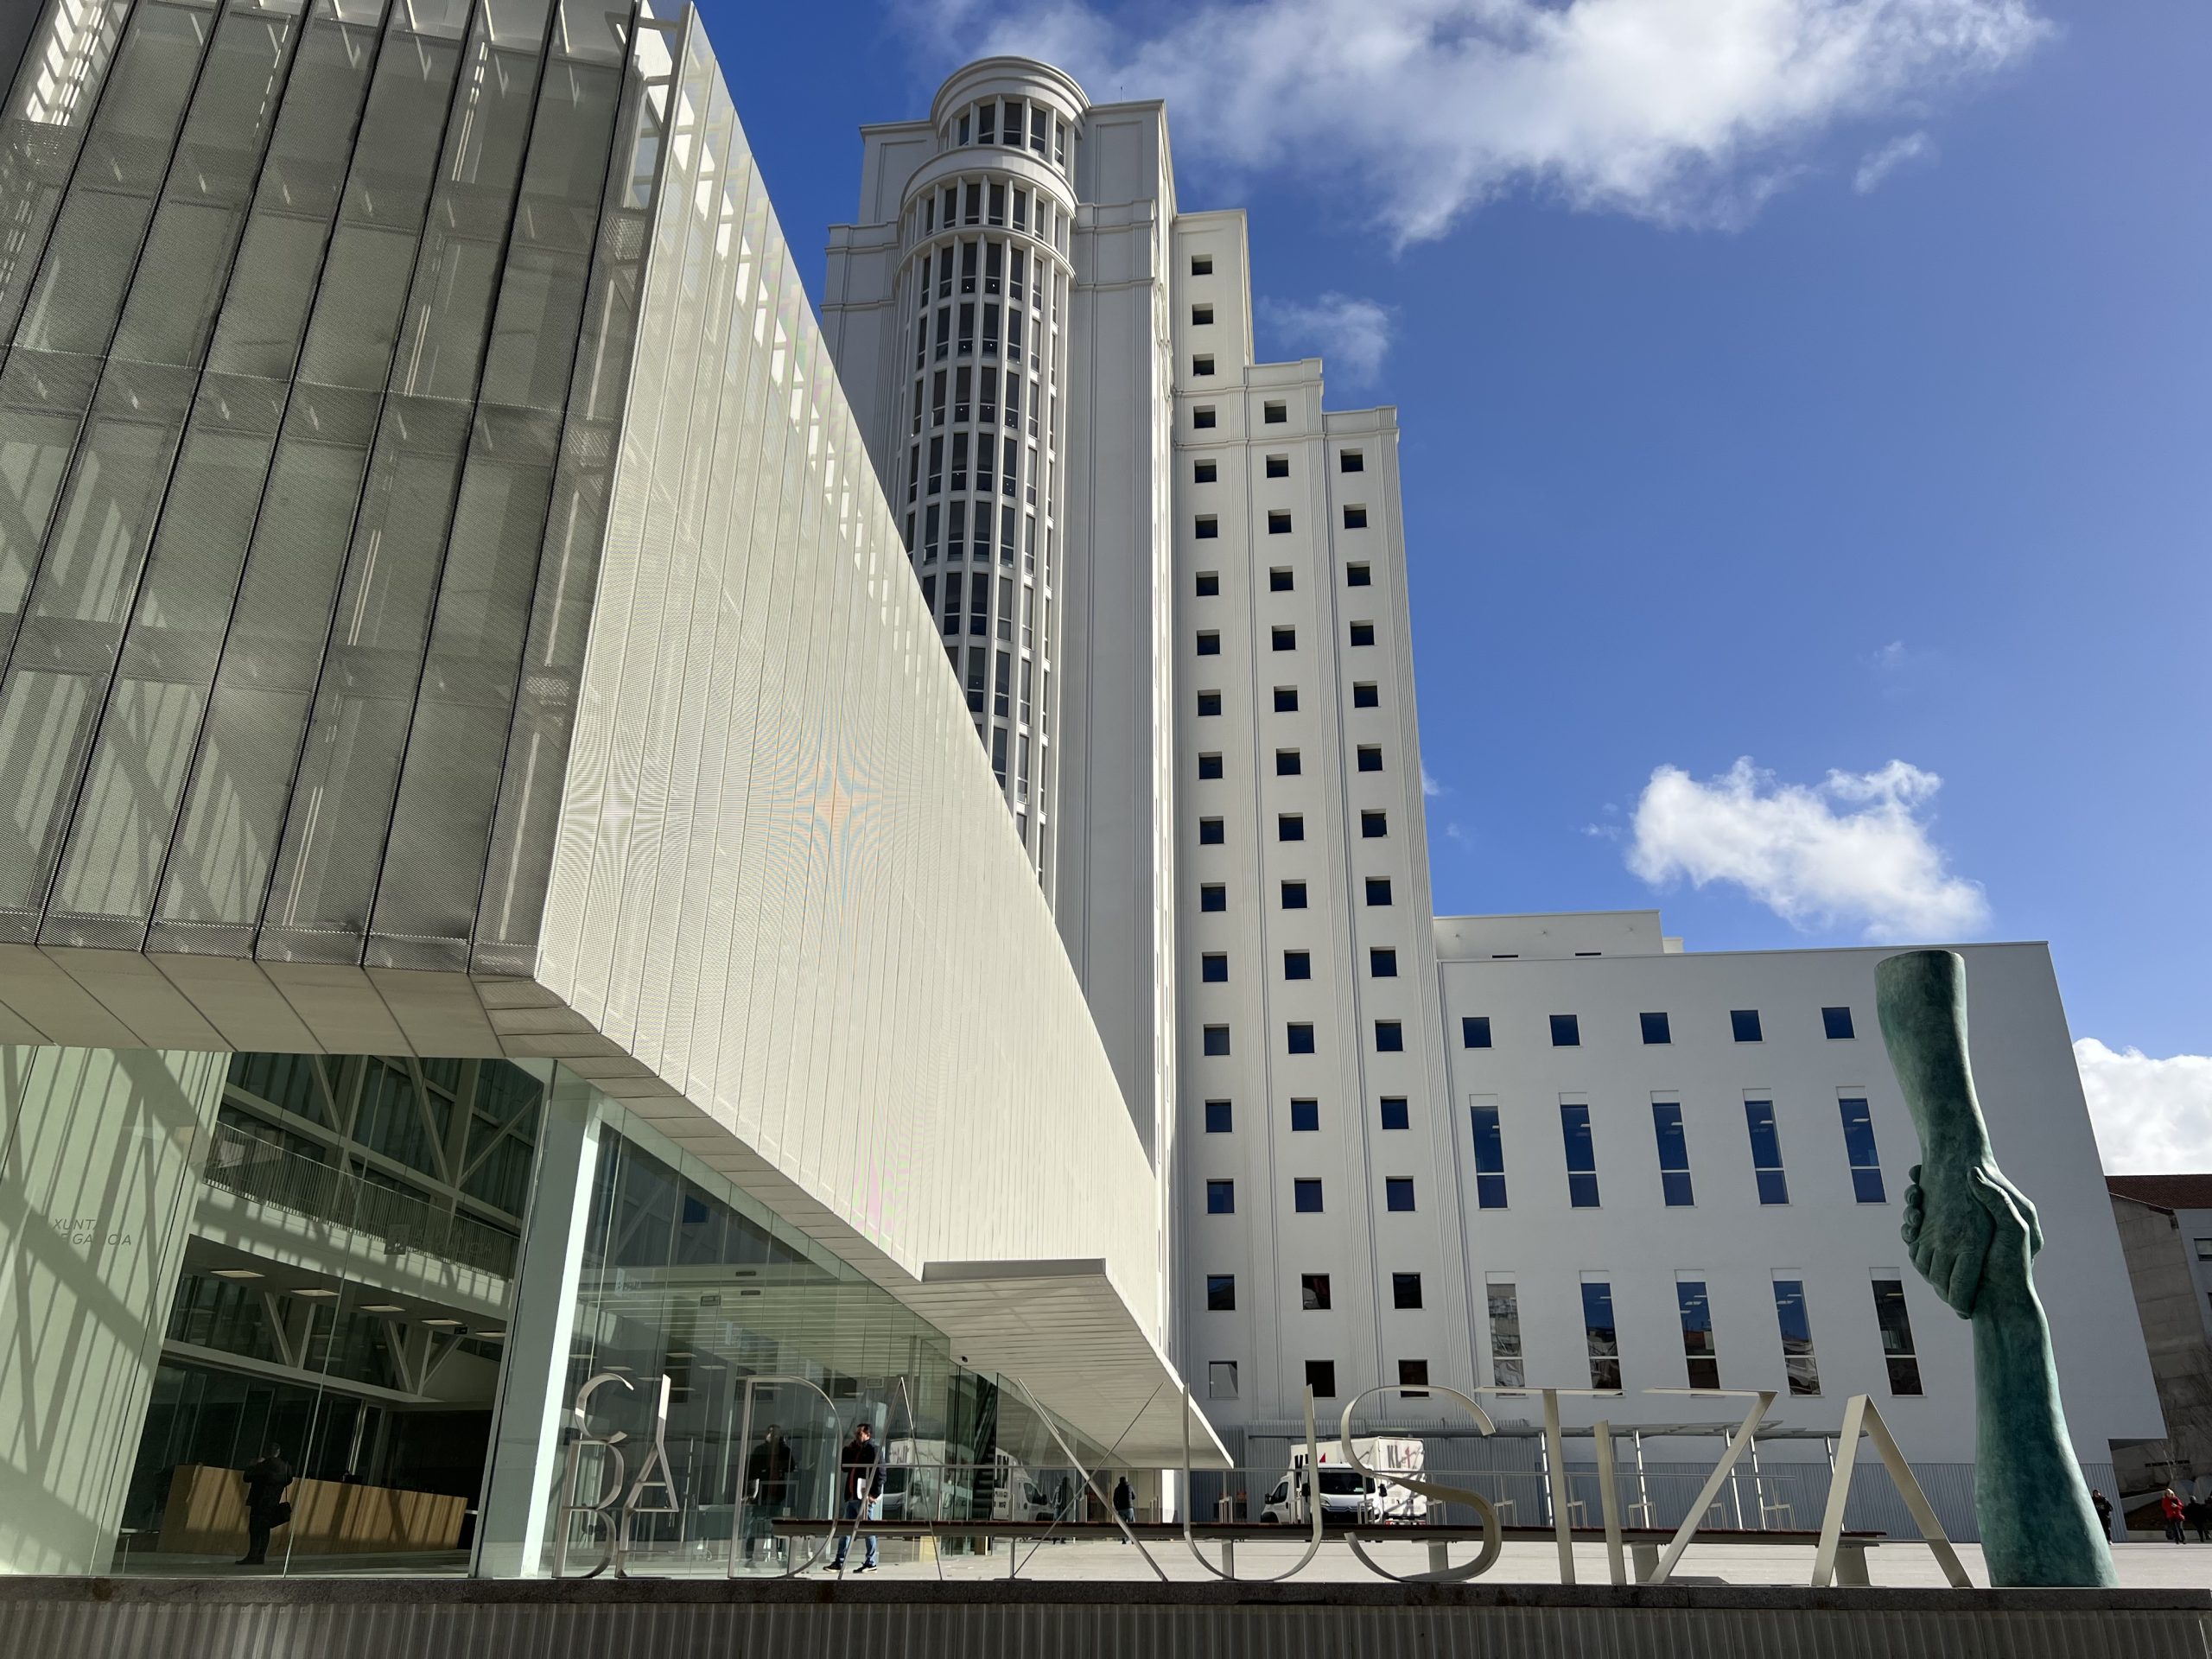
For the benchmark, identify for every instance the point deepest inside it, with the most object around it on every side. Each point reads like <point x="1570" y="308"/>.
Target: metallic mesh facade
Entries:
<point x="316" y="321"/>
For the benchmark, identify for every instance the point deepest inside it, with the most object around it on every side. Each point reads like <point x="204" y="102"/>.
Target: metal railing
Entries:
<point x="265" y="1171"/>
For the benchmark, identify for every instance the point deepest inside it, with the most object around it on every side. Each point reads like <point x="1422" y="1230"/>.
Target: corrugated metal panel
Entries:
<point x="338" y="1620"/>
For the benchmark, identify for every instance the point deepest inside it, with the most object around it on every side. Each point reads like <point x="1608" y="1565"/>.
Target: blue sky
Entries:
<point x="1834" y="393"/>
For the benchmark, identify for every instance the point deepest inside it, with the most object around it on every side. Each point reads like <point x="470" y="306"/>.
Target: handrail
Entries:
<point x="266" y="1172"/>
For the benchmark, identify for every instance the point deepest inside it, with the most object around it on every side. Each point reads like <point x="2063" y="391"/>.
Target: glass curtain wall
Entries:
<point x="345" y="1297"/>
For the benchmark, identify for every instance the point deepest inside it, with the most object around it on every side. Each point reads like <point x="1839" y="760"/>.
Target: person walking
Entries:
<point x="2102" y="1505"/>
<point x="2170" y="1511"/>
<point x="860" y="1464"/>
<point x="1125" y="1501"/>
<point x="767" y="1490"/>
<point x="265" y="1479"/>
<point x="2198" y="1514"/>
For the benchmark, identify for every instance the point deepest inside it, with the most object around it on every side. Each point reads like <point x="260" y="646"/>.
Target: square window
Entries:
<point x="1354" y="518"/>
<point x="1293" y="895"/>
<point x="1202" y="366"/>
<point x="1378" y="889"/>
<point x="1204" y="472"/>
<point x="1202" y="265"/>
<point x="1352" y="460"/>
<point x="1297" y="965"/>
<point x="1398" y="1192"/>
<point x="1286" y="764"/>
<point x="1284" y="638"/>
<point x="1413" y="1377"/>
<point x="1358" y="576"/>
<point x="1221" y="1197"/>
<point x="1220" y="1117"/>
<point x="1278" y="524"/>
<point x="1221" y="1379"/>
<point x="1566" y="1031"/>
<point x="1474" y="1031"/>
<point x="1302" y="1038"/>
<point x="1305" y="1116"/>
<point x="1209" y="587"/>
<point x="1321" y="1377"/>
<point x="1305" y="1196"/>
<point x="1202" y="314"/>
<point x="1217" y="1040"/>
<point x="1363" y="634"/>
<point x="1373" y="826"/>
<point x="1274" y="414"/>
<point x="1656" y="1028"/>
<point x="1213" y="898"/>
<point x="1213" y="968"/>
<point x="1203" y="417"/>
<point x="1286" y="699"/>
<point x="1371" y="757"/>
<point x="1209" y="704"/>
<point x="1381" y="963"/>
<point x="1211" y="832"/>
<point x="1836" y="1022"/>
<point x="1209" y="528"/>
<point x="1209" y="644"/>
<point x="1278" y="465"/>
<point x="1279" y="582"/>
<point x="1394" y="1112"/>
<point x="1290" y="827"/>
<point x="1220" y="1293"/>
<point x="1390" y="1036"/>
<point x="1209" y="766"/>
<point x="1367" y="695"/>
<point x="1745" y="1023"/>
<point x="1314" y="1292"/>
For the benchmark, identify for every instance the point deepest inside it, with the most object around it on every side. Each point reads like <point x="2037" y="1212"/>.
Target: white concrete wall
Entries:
<point x="2030" y="1090"/>
<point x="99" y="1172"/>
<point x="1356" y="1239"/>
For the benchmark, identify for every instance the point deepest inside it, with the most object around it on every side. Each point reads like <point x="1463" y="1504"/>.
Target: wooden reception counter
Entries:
<point x="205" y="1515"/>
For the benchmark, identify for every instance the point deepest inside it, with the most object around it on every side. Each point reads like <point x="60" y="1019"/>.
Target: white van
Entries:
<point x="1349" y="1499"/>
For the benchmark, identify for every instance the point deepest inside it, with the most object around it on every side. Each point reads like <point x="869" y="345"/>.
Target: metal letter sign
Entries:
<point x="655" y="1471"/>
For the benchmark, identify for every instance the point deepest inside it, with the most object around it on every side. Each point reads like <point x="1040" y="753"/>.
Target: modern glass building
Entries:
<point x="498" y="886"/>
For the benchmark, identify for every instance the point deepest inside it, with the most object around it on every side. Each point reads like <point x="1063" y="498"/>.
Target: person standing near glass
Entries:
<point x="860" y="1464"/>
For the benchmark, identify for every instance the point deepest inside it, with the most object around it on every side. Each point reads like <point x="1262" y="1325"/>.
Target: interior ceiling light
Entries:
<point x="236" y="1273"/>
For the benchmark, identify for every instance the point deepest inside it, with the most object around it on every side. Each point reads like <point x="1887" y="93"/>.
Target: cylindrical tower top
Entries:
<point x="1009" y="77"/>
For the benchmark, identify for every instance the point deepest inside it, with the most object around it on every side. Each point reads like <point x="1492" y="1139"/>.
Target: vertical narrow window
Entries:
<point x="1598" y="1332"/>
<point x="1858" y="1146"/>
<point x="1474" y="1031"/>
<point x="1798" y="1361"/>
<point x="1673" y="1151"/>
<point x="1490" y="1159"/>
<point x="1766" y="1152"/>
<point x="1581" y="1157"/>
<point x="1221" y="1197"/>
<point x="1698" y="1352"/>
<point x="1505" y="1367"/>
<point x="1394" y="1112"/>
<point x="1896" y="1335"/>
<point x="1002" y="688"/>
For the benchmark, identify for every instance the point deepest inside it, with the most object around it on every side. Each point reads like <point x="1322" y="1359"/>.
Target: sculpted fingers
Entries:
<point x="1965" y="1280"/>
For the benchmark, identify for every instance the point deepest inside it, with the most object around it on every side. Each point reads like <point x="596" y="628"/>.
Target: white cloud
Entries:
<point x="1890" y="657"/>
<point x="1428" y="785"/>
<point x="1353" y="336"/>
<point x="1683" y="111"/>
<point x="1852" y="850"/>
<point x="2152" y="1116"/>
<point x="1880" y="163"/>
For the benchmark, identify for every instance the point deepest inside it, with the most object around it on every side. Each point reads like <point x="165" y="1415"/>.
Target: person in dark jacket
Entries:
<point x="265" y="1510"/>
<point x="2198" y="1514"/>
<point x="2102" y="1505"/>
<point x="861" y="1466"/>
<point x="1125" y="1500"/>
<point x="767" y="1488"/>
